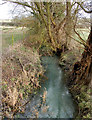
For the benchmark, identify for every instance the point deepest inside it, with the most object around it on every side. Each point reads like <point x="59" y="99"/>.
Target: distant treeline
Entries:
<point x="9" y="24"/>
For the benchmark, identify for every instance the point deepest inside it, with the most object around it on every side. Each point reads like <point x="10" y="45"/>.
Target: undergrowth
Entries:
<point x="21" y="76"/>
<point x="82" y="95"/>
<point x="37" y="39"/>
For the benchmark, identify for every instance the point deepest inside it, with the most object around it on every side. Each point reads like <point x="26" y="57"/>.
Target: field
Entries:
<point x="11" y="35"/>
<point x="83" y="33"/>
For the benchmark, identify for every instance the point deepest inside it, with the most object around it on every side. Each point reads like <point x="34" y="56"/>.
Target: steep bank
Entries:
<point x="79" y="72"/>
<point x="21" y="76"/>
<point x="81" y="93"/>
<point x="81" y="81"/>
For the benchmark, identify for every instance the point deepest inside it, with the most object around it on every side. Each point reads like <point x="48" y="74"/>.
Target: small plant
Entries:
<point x="12" y="40"/>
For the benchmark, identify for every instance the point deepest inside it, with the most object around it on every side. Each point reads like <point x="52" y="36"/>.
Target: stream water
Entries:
<point x="53" y="100"/>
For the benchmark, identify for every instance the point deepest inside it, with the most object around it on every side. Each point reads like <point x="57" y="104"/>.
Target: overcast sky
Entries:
<point x="5" y="11"/>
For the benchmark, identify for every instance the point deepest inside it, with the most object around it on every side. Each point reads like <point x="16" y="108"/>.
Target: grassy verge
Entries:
<point x="81" y="93"/>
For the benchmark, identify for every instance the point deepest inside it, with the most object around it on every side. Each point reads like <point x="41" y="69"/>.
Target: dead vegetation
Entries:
<point x="21" y="73"/>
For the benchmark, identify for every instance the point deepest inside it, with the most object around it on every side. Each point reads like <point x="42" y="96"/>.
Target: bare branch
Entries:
<point x="90" y="11"/>
<point x="14" y="9"/>
<point x="21" y="3"/>
<point x="75" y="39"/>
<point x="41" y="13"/>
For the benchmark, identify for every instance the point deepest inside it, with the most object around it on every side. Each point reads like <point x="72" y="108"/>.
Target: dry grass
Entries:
<point x="21" y="70"/>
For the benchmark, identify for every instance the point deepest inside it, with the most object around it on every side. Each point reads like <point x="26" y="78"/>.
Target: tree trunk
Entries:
<point x="49" y="27"/>
<point x="68" y="23"/>
<point x="82" y="71"/>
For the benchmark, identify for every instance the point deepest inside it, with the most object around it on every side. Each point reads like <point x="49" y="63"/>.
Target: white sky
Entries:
<point x="5" y="11"/>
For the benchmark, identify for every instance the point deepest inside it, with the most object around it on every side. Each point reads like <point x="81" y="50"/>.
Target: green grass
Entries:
<point x="11" y="36"/>
<point x="83" y="33"/>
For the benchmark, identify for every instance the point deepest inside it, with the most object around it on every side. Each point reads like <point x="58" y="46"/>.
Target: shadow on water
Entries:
<point x="53" y="99"/>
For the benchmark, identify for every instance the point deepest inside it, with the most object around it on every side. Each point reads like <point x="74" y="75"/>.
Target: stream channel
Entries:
<point x="53" y="99"/>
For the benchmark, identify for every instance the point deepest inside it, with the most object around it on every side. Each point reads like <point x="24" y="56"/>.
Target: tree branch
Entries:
<point x="21" y="3"/>
<point x="90" y="11"/>
<point x="41" y="13"/>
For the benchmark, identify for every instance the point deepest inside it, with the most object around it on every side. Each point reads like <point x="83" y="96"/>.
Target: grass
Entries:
<point x="84" y="33"/>
<point x="11" y="36"/>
